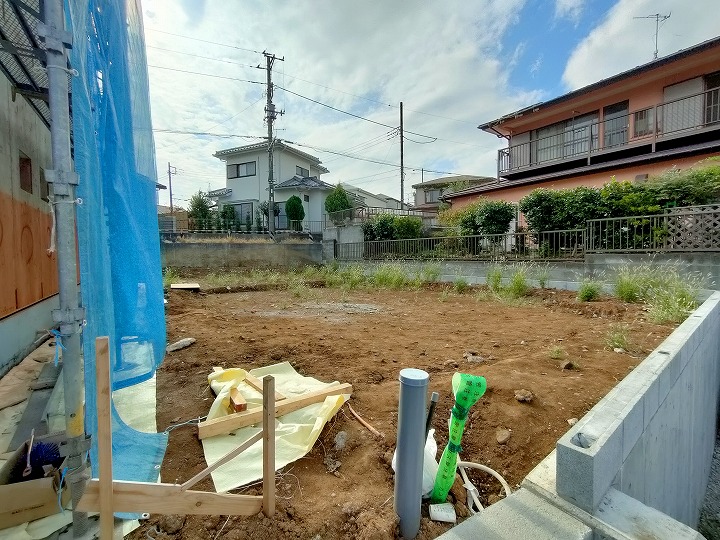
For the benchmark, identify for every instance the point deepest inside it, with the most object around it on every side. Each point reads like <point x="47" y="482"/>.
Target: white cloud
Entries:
<point x="536" y="65"/>
<point x="621" y="42"/>
<point x="439" y="58"/>
<point x="569" y="9"/>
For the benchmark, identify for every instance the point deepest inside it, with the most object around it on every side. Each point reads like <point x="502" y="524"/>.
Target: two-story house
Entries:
<point x="428" y="195"/>
<point x="295" y="173"/>
<point x="636" y="124"/>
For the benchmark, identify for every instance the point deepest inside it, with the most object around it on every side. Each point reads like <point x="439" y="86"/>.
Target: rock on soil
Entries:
<point x="171" y="524"/>
<point x="182" y="344"/>
<point x="502" y="436"/>
<point x="524" y="396"/>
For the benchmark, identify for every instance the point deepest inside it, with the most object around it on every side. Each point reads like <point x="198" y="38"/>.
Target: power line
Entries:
<point x="205" y="74"/>
<point x="204" y="57"/>
<point x="205" y="133"/>
<point x="204" y="41"/>
<point x="299" y="78"/>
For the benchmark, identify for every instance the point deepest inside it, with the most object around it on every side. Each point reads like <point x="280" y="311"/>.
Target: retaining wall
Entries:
<point x="652" y="436"/>
<point x="229" y="255"/>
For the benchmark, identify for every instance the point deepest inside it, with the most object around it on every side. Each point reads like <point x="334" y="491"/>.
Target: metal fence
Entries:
<point x="499" y="247"/>
<point x="353" y="216"/>
<point x="678" y="229"/>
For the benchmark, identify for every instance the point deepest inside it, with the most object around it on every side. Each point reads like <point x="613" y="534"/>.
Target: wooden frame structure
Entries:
<point x="108" y="496"/>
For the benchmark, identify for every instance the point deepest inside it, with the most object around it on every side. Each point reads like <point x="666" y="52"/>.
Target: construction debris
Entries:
<point x="178" y="345"/>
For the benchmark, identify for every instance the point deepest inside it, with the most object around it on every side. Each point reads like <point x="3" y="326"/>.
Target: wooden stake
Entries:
<point x="231" y="422"/>
<point x="268" y="445"/>
<point x="222" y="461"/>
<point x="168" y="499"/>
<point x="104" y="438"/>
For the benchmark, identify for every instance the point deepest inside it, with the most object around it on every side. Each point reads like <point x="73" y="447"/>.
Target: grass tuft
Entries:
<point x="589" y="291"/>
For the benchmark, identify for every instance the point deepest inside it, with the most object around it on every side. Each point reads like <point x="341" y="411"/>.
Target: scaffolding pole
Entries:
<point x="70" y="315"/>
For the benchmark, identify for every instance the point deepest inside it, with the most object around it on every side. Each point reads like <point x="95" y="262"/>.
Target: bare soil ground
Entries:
<point x="366" y="338"/>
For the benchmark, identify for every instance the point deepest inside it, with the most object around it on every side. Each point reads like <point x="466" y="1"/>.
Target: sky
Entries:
<point x="454" y="64"/>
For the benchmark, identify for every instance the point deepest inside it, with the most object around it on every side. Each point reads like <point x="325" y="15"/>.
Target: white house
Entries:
<point x="295" y="173"/>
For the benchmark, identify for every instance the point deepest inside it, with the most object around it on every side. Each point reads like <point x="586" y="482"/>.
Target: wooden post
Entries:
<point x="268" y="445"/>
<point x="104" y="438"/>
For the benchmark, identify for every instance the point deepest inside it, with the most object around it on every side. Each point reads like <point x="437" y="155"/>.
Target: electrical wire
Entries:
<point x="203" y="40"/>
<point x="205" y="57"/>
<point x="206" y="74"/>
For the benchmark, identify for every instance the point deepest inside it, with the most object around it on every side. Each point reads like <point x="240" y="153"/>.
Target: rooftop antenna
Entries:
<point x="658" y="19"/>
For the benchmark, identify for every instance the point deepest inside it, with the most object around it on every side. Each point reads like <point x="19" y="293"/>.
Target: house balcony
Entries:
<point x="678" y="125"/>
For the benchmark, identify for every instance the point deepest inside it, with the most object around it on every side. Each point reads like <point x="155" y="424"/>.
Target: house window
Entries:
<point x="615" y="120"/>
<point x="712" y="98"/>
<point x="306" y="198"/>
<point x="432" y="195"/>
<point x="25" y="173"/>
<point x="643" y="123"/>
<point x="300" y="171"/>
<point x="241" y="170"/>
<point x="569" y="138"/>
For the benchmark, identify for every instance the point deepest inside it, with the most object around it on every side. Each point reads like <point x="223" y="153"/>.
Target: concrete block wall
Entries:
<point x="652" y="436"/>
<point x="230" y="255"/>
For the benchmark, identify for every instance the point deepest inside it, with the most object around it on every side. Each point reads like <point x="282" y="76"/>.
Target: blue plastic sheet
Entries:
<point x="120" y="269"/>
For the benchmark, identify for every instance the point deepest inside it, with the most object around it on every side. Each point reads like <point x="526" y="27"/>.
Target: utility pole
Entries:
<point x="270" y="115"/>
<point x="171" y="171"/>
<point x="402" y="161"/>
<point x="658" y="19"/>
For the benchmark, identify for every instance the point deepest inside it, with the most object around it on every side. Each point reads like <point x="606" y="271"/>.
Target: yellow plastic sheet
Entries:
<point x="295" y="432"/>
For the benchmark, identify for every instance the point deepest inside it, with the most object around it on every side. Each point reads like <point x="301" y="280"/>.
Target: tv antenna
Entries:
<point x="658" y="19"/>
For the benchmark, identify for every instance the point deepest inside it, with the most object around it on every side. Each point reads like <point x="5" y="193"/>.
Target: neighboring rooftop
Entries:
<point x="278" y="145"/>
<point x="447" y="180"/>
<point x="655" y="64"/>
<point x="306" y="182"/>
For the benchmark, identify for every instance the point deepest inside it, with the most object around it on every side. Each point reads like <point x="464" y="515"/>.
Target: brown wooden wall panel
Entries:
<point x="7" y="264"/>
<point x="27" y="272"/>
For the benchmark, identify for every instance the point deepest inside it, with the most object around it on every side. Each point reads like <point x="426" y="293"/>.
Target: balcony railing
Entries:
<point x="664" y="120"/>
<point x="353" y="216"/>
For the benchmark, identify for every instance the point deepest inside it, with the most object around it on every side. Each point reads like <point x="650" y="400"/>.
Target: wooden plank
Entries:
<point x="268" y="445"/>
<point x="231" y="422"/>
<point x="186" y="286"/>
<point x="104" y="438"/>
<point x="140" y="497"/>
<point x="257" y="384"/>
<point x="222" y="461"/>
<point x="237" y="401"/>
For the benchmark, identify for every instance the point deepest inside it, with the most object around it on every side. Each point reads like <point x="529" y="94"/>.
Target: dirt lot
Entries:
<point x="365" y="338"/>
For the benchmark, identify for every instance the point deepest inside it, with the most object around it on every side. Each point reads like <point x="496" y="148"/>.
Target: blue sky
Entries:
<point x="454" y="64"/>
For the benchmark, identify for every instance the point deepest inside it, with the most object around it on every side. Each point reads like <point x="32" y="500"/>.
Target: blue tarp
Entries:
<point x="121" y="277"/>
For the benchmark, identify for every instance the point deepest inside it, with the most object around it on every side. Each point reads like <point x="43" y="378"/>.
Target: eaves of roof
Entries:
<point x="655" y="64"/>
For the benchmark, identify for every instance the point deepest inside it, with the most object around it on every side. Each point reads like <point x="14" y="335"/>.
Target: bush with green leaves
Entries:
<point x="295" y="211"/>
<point x="479" y="217"/>
<point x="227" y="217"/>
<point x="337" y="200"/>
<point x="199" y="210"/>
<point x="390" y="227"/>
<point x="552" y="210"/>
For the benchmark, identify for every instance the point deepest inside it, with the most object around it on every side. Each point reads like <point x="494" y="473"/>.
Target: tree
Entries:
<point x="264" y="207"/>
<point x="295" y="211"/>
<point x="494" y="217"/>
<point x="338" y="200"/>
<point x="227" y="217"/>
<point x="199" y="209"/>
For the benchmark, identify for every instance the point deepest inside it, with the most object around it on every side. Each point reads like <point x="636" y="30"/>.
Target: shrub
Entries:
<point x="407" y="227"/>
<point x="589" y="291"/>
<point x="383" y="227"/>
<point x="494" y="217"/>
<point x="294" y="210"/>
<point x="337" y="200"/>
